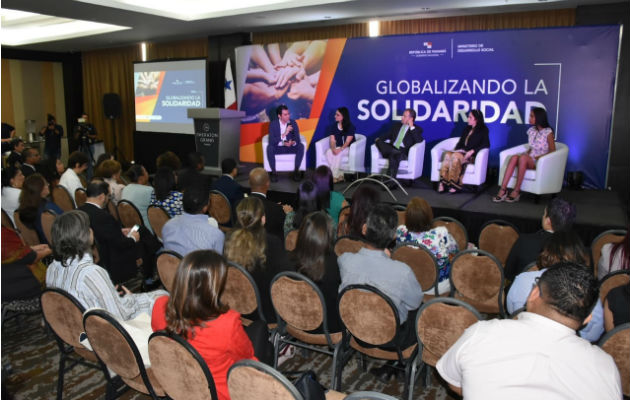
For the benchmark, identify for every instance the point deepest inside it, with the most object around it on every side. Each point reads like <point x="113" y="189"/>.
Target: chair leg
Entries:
<point x="62" y="365"/>
<point x="276" y="349"/>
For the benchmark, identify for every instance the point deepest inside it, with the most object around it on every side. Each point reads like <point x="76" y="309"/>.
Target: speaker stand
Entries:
<point x="115" y="150"/>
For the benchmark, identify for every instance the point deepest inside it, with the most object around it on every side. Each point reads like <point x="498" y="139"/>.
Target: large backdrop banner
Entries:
<point x="570" y="72"/>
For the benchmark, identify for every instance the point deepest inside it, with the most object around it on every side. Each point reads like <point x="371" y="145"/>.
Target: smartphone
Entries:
<point x="135" y="228"/>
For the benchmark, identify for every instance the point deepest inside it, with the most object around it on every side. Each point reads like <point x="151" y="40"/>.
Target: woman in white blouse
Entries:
<point x="12" y="180"/>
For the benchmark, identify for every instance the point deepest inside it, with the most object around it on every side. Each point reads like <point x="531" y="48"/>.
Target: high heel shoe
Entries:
<point x="441" y="188"/>
<point x="499" y="198"/>
<point x="513" y="199"/>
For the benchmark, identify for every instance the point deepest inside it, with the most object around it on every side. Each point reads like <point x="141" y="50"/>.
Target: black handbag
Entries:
<point x="307" y="384"/>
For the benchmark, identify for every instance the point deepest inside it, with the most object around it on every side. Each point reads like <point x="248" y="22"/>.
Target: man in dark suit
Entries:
<point x="274" y="212"/>
<point x="31" y="158"/>
<point x="226" y="183"/>
<point x="17" y="147"/>
<point x="192" y="176"/>
<point x="118" y="252"/>
<point x="284" y="138"/>
<point x="395" y="144"/>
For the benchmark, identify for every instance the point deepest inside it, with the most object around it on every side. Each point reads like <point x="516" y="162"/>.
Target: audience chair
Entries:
<point x="180" y="369"/>
<point x="475" y="173"/>
<point x="167" y="262"/>
<point x="353" y="162"/>
<point x="61" y="197"/>
<point x="129" y="214"/>
<point x="371" y="317"/>
<point x="439" y="324"/>
<point x="301" y="307"/>
<point x="548" y="176"/>
<point x="241" y="294"/>
<point x="80" y="197"/>
<point x="617" y="344"/>
<point x="48" y="217"/>
<point x="497" y="237"/>
<point x="291" y="240"/>
<point x="111" y="207"/>
<point x="369" y="396"/>
<point x="64" y="316"/>
<point x="477" y="278"/>
<point x="284" y="162"/>
<point x="219" y="208"/>
<point x="455" y="228"/>
<point x="411" y="168"/>
<point x="249" y="379"/>
<point x="117" y="350"/>
<point x="157" y="218"/>
<point x="29" y="235"/>
<point x="342" y="226"/>
<point x="609" y="236"/>
<point x="6" y="220"/>
<point x="348" y="244"/>
<point x="423" y="264"/>
<point x="611" y="281"/>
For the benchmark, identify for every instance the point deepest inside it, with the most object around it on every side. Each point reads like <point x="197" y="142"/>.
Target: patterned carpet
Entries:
<point x="31" y="356"/>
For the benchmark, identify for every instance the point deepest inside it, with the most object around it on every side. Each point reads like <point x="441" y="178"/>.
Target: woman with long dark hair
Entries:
<point x="34" y="202"/>
<point x="341" y="135"/>
<point x="328" y="200"/>
<point x="473" y="139"/>
<point x="363" y="200"/>
<point x="307" y="203"/>
<point x="165" y="194"/>
<point x="540" y="140"/>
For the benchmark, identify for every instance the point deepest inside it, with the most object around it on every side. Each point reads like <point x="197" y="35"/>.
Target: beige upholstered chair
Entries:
<point x="497" y="238"/>
<point x="291" y="240"/>
<point x="167" y="263"/>
<point x="48" y="217"/>
<point x="80" y="197"/>
<point x="611" y="281"/>
<point x="129" y="214"/>
<point x="423" y="264"/>
<point x="617" y="344"/>
<point x="219" y="208"/>
<point x="29" y="235"/>
<point x="158" y="217"/>
<point x="61" y="197"/>
<point x="241" y="293"/>
<point x="348" y="244"/>
<point x="609" y="236"/>
<point x="455" y="228"/>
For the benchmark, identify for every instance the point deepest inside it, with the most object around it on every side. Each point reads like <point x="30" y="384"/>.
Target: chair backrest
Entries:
<point x="439" y="323"/>
<point x="6" y="220"/>
<point x="497" y="238"/>
<point x="617" y="344"/>
<point x="62" y="198"/>
<point x="611" y="281"/>
<point x="116" y="349"/>
<point x="180" y="369"/>
<point x="368" y="396"/>
<point x="455" y="228"/>
<point x="129" y="214"/>
<point x="477" y="278"/>
<point x="80" y="196"/>
<point x="342" y="227"/>
<point x="368" y="314"/>
<point x="112" y="210"/>
<point x="48" y="217"/>
<point x="291" y="240"/>
<point x="249" y="379"/>
<point x="29" y="235"/>
<point x="219" y="207"/>
<point x="348" y="244"/>
<point x="609" y="236"/>
<point x="157" y="218"/>
<point x="401" y="217"/>
<point x="423" y="264"/>
<point x="167" y="263"/>
<point x="241" y="292"/>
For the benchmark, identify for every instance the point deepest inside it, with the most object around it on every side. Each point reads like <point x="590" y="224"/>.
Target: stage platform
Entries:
<point x="597" y="210"/>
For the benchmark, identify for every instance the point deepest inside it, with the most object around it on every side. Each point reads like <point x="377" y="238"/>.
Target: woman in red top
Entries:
<point x="195" y="312"/>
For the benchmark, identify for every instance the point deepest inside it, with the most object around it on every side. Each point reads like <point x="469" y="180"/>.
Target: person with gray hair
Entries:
<point x="75" y="272"/>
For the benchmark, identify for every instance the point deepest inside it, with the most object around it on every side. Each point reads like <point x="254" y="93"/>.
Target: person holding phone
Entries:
<point x="52" y="134"/>
<point x="284" y="138"/>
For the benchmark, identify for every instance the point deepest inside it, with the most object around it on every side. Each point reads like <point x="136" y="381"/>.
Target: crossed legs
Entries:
<point x="523" y="162"/>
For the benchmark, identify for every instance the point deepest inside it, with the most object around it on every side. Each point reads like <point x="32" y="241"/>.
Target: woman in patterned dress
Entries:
<point x="540" y="142"/>
<point x="165" y="194"/>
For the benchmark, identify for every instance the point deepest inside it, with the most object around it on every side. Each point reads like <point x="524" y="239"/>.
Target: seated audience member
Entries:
<point x="226" y="183"/>
<point x="327" y="199"/>
<point x="314" y="258"/>
<point x="192" y="175"/>
<point x="75" y="271"/>
<point x="538" y="355"/>
<point x="260" y="253"/>
<point x="363" y="200"/>
<point x="12" y="181"/>
<point x="34" y="202"/>
<point x="165" y="194"/>
<point x="15" y="158"/>
<point x="194" y="311"/>
<point x="168" y="159"/>
<point x="77" y="163"/>
<point x="31" y="159"/>
<point x="284" y="138"/>
<point x="306" y="204"/>
<point x="52" y="169"/>
<point x="191" y="230"/>
<point x="274" y="212"/>
<point x="615" y="257"/>
<point x="103" y="157"/>
<point x="341" y="135"/>
<point x="118" y="248"/>
<point x="563" y="246"/>
<point x="617" y="307"/>
<point x="558" y="216"/>
<point x="417" y="231"/>
<point x="139" y="192"/>
<point x="110" y="171"/>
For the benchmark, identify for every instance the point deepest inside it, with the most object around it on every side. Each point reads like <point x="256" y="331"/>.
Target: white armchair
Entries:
<point x="548" y="175"/>
<point x="353" y="162"/>
<point x="284" y="162"/>
<point x="411" y="168"/>
<point x="475" y="174"/>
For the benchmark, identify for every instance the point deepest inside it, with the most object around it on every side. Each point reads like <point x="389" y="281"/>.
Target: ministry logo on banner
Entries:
<point x="427" y="50"/>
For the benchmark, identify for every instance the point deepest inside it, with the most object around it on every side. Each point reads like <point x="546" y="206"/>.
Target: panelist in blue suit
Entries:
<point x="284" y="138"/>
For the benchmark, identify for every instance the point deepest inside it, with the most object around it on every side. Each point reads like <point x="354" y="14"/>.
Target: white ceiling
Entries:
<point x="149" y="24"/>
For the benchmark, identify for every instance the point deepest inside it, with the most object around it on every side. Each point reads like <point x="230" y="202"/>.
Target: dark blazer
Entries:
<point x="228" y="186"/>
<point x="14" y="158"/>
<point x="118" y="253"/>
<point x="191" y="177"/>
<point x="274" y="216"/>
<point x="477" y="141"/>
<point x="274" y="132"/>
<point x="28" y="170"/>
<point x="525" y="250"/>
<point x="412" y="136"/>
